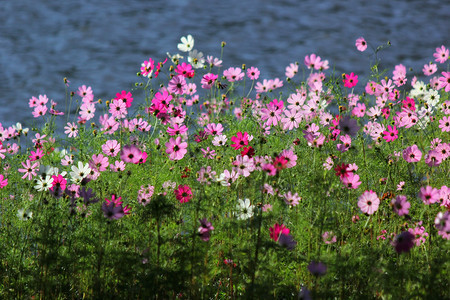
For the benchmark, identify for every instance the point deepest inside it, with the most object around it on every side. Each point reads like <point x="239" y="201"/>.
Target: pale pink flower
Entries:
<point x="176" y="148"/>
<point x="361" y="44"/>
<point x="369" y="202"/>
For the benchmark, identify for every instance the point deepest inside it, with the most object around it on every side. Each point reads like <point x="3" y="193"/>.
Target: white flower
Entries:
<point x="44" y="184"/>
<point x="196" y="59"/>
<point x="431" y="97"/>
<point x="19" y="129"/>
<point x="187" y="44"/>
<point x="24" y="215"/>
<point x="80" y="172"/>
<point x="418" y="90"/>
<point x="245" y="209"/>
<point x="174" y="58"/>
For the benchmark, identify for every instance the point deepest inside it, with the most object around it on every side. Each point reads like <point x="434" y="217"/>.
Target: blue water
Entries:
<point x="102" y="43"/>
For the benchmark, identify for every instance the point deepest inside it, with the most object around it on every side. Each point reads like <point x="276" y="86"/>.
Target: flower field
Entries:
<point x="209" y="182"/>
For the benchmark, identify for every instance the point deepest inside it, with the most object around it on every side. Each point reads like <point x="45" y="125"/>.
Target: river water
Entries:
<point x="102" y="43"/>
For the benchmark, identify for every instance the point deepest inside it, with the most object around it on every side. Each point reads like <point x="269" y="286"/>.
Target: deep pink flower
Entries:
<point x="240" y="140"/>
<point x="176" y="148"/>
<point x="369" y="202"/>
<point x="276" y="230"/>
<point x="412" y="154"/>
<point x="36" y="155"/>
<point x="183" y="193"/>
<point x="391" y="134"/>
<point x="147" y="67"/>
<point x="59" y="183"/>
<point x="162" y="98"/>
<point x="185" y="70"/>
<point x="350" y="80"/>
<point x="361" y="44"/>
<point x="3" y="181"/>
<point x="208" y="80"/>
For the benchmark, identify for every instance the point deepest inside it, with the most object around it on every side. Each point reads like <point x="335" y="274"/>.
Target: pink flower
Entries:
<point x="183" y="193"/>
<point x="444" y="124"/>
<point x="429" y="195"/>
<point x="429" y="69"/>
<point x="29" y="169"/>
<point x="400" y="205"/>
<point x="276" y="230"/>
<point x="369" y="202"/>
<point x="291" y="199"/>
<point x="441" y="54"/>
<point x="36" y="155"/>
<point x="359" y="110"/>
<point x="291" y="70"/>
<point x="444" y="81"/>
<point x="85" y="93"/>
<point x="351" y="181"/>
<point x="361" y="44"/>
<point x="253" y="73"/>
<point x="412" y="154"/>
<point x="433" y="158"/>
<point x="419" y="234"/>
<point x="233" y="74"/>
<point x="328" y="237"/>
<point x="130" y="154"/>
<point x="177" y="130"/>
<point x="313" y="62"/>
<point x="71" y="129"/>
<point x="111" y="148"/>
<point x="176" y="149"/>
<point x="350" y="80"/>
<point x="185" y="70"/>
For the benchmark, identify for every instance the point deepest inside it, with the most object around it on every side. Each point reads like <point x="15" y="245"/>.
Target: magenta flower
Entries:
<point x="361" y="44"/>
<point x="403" y="242"/>
<point x="350" y="80"/>
<point x="205" y="229"/>
<point x="391" y="134"/>
<point x="183" y="193"/>
<point x="412" y="154"/>
<point x="369" y="202"/>
<point x="176" y="149"/>
<point x="433" y="158"/>
<point x="429" y="195"/>
<point x="177" y="84"/>
<point x="400" y="205"/>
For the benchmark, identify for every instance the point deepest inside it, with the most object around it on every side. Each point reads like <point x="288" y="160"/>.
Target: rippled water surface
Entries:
<point x="102" y="43"/>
